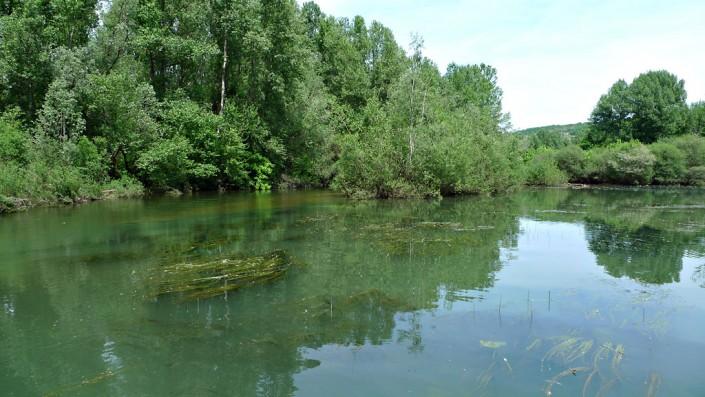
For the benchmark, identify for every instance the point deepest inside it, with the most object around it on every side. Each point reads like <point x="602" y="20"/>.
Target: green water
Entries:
<point x="387" y="298"/>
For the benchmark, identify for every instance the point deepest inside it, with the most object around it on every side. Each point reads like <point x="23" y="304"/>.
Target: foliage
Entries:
<point x="122" y="109"/>
<point x="91" y="160"/>
<point x="125" y="187"/>
<point x="574" y="131"/>
<point x="476" y="85"/>
<point x="13" y="140"/>
<point x="631" y="164"/>
<point x="697" y="118"/>
<point x="553" y="136"/>
<point x="696" y="176"/>
<point x="129" y="95"/>
<point x="670" y="166"/>
<point x="572" y="160"/>
<point x="542" y="169"/>
<point x="693" y="147"/>
<point x="653" y="106"/>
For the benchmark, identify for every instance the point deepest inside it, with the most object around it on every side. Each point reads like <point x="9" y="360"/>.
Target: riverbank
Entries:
<point x="115" y="190"/>
<point x="9" y="205"/>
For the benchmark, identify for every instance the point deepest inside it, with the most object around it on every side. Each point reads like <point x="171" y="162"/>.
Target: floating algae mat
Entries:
<point x="210" y="278"/>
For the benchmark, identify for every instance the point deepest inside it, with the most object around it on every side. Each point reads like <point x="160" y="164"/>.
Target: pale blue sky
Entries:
<point x="554" y="58"/>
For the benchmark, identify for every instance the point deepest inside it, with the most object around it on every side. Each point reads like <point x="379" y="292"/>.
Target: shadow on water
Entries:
<point x="377" y="275"/>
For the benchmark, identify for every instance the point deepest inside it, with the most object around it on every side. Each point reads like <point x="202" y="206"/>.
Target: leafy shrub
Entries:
<point x="669" y="167"/>
<point x="372" y="167"/>
<point x="542" y="169"/>
<point x="166" y="164"/>
<point x="12" y="179"/>
<point x="90" y="160"/>
<point x="693" y="146"/>
<point x="261" y="169"/>
<point x="572" y="161"/>
<point x="696" y="176"/>
<point x="597" y="165"/>
<point x="464" y="155"/>
<point x="631" y="164"/>
<point x="14" y="143"/>
<point x="125" y="187"/>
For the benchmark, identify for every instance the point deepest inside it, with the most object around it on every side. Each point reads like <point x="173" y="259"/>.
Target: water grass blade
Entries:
<point x="509" y="367"/>
<point x="534" y="345"/>
<point x="491" y="344"/>
<point x="556" y="379"/>
<point x="211" y="278"/>
<point x="588" y="381"/>
<point x="617" y="356"/>
<point x="100" y="377"/>
<point x="606" y="387"/>
<point x="580" y="350"/>
<point x="486" y="376"/>
<point x="653" y="384"/>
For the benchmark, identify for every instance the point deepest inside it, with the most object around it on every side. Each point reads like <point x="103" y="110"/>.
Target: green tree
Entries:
<point x="24" y="60"/>
<point x="61" y="114"/>
<point x="122" y="109"/>
<point x="612" y="117"/>
<point x="386" y="59"/>
<point x="659" y="105"/>
<point x="476" y="85"/>
<point x="697" y="118"/>
<point x="652" y="107"/>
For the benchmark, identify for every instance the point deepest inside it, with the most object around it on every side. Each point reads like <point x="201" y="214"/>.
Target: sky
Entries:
<point x="554" y="58"/>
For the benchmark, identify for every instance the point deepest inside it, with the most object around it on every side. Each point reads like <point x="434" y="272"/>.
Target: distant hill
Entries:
<point x="571" y="130"/>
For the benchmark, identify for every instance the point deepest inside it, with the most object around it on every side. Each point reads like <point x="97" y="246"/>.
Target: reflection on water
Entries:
<point x="572" y="292"/>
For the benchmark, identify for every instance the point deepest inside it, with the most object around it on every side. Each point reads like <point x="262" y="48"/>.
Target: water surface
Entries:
<point x="568" y="292"/>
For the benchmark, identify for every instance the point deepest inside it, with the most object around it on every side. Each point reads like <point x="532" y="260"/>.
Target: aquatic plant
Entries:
<point x="653" y="383"/>
<point x="491" y="344"/>
<point x="568" y="349"/>
<point x="210" y="278"/>
<point x="555" y="380"/>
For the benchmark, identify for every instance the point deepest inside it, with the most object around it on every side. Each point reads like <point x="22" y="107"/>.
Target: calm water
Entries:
<point x="600" y="292"/>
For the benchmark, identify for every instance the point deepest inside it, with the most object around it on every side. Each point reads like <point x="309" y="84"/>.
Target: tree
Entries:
<point x="659" y="106"/>
<point x="475" y="85"/>
<point x="697" y="118"/>
<point x="122" y="109"/>
<point x="61" y="115"/>
<point x="72" y="21"/>
<point x="652" y="107"/>
<point x="386" y="59"/>
<point x="611" y="119"/>
<point x="24" y="61"/>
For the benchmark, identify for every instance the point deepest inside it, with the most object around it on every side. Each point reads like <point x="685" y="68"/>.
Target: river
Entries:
<point x="561" y="292"/>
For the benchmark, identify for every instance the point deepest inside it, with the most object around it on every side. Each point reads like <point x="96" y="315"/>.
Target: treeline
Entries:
<point x="639" y="134"/>
<point x="111" y="97"/>
<point x="114" y="98"/>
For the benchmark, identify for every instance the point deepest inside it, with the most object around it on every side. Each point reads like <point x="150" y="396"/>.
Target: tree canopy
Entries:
<point x="242" y="94"/>
<point x="653" y="106"/>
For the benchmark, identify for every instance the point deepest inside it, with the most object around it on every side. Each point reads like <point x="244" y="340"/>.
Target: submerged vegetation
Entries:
<point x="214" y="277"/>
<point x="379" y="287"/>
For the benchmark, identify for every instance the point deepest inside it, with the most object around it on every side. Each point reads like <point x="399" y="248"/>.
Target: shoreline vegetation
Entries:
<point x="150" y="97"/>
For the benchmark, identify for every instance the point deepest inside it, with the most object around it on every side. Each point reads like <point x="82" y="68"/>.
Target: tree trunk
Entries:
<point x="222" y="75"/>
